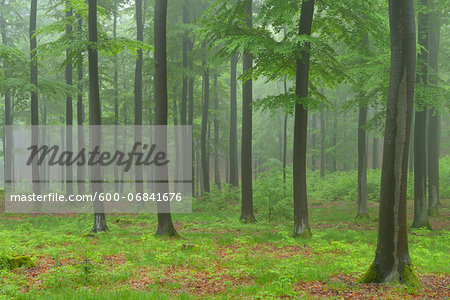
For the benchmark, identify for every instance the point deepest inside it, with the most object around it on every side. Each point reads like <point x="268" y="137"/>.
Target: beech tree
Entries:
<point x="165" y="224"/>
<point x="69" y="107"/>
<point x="34" y="93"/>
<point x="138" y="92"/>
<point x="433" y="113"/>
<point x="246" y="150"/>
<point x="301" y="221"/>
<point x="204" y="141"/>
<point x="420" y="177"/>
<point x="95" y="115"/>
<point x="234" y="175"/>
<point x="392" y="261"/>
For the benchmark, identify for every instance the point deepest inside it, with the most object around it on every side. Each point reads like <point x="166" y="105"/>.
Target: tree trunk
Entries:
<point x="138" y="94"/>
<point x="285" y="147"/>
<point x="116" y="105"/>
<point x="322" y="144"/>
<point x="313" y="142"/>
<point x="420" y="176"/>
<point x="280" y="134"/>
<point x="69" y="107"/>
<point x="362" y="164"/>
<point x="80" y="116"/>
<point x="234" y="177"/>
<point x="392" y="261"/>
<point x="301" y="222"/>
<point x="191" y="113"/>
<point x="286" y="115"/>
<point x="433" y="118"/>
<point x="216" y="136"/>
<point x="375" y="147"/>
<point x="246" y="151"/>
<point x="165" y="224"/>
<point x="8" y="136"/>
<point x="411" y="146"/>
<point x="34" y="94"/>
<point x="95" y="115"/>
<point x="187" y="169"/>
<point x="177" y="147"/>
<point x="335" y="129"/>
<point x="204" y="131"/>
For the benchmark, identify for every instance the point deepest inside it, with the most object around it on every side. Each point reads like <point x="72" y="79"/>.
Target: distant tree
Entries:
<point x="322" y="143"/>
<point x="362" y="164"/>
<point x="204" y="130"/>
<point x="334" y="138"/>
<point x="216" y="135"/>
<point x="234" y="177"/>
<point x="392" y="261"/>
<point x="313" y="142"/>
<point x="375" y="147"/>
<point x="8" y="106"/>
<point x="301" y="221"/>
<point x="362" y="152"/>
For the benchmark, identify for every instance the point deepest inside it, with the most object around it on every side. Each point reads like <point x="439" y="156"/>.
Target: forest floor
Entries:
<point x="217" y="257"/>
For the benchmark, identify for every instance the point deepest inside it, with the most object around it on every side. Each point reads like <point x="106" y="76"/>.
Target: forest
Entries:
<point x="290" y="149"/>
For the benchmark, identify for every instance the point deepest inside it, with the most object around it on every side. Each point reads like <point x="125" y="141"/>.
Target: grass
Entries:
<point x="217" y="256"/>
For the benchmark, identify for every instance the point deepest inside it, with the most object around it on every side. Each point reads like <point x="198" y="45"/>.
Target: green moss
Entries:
<point x="372" y="275"/>
<point x="408" y="276"/>
<point x="249" y="219"/>
<point x="14" y="262"/>
<point x="120" y="221"/>
<point x="362" y="216"/>
<point x="168" y="233"/>
<point x="433" y="212"/>
<point x="425" y="224"/>
<point x="306" y="234"/>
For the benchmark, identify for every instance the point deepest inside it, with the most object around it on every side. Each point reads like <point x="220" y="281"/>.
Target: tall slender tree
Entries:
<point x="69" y="106"/>
<point x="375" y="147"/>
<point x="433" y="117"/>
<point x="335" y="136"/>
<point x="246" y="147"/>
<point x="138" y="92"/>
<point x="301" y="221"/>
<point x="234" y="177"/>
<point x="362" y="152"/>
<point x="322" y="143"/>
<point x="204" y="131"/>
<point x="95" y="115"/>
<point x="216" y="135"/>
<point x="116" y="103"/>
<point x="420" y="160"/>
<point x="362" y="164"/>
<point x="313" y="142"/>
<point x="34" y="93"/>
<point x="80" y="114"/>
<point x="165" y="224"/>
<point x="8" y="109"/>
<point x="286" y="115"/>
<point x="392" y="261"/>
